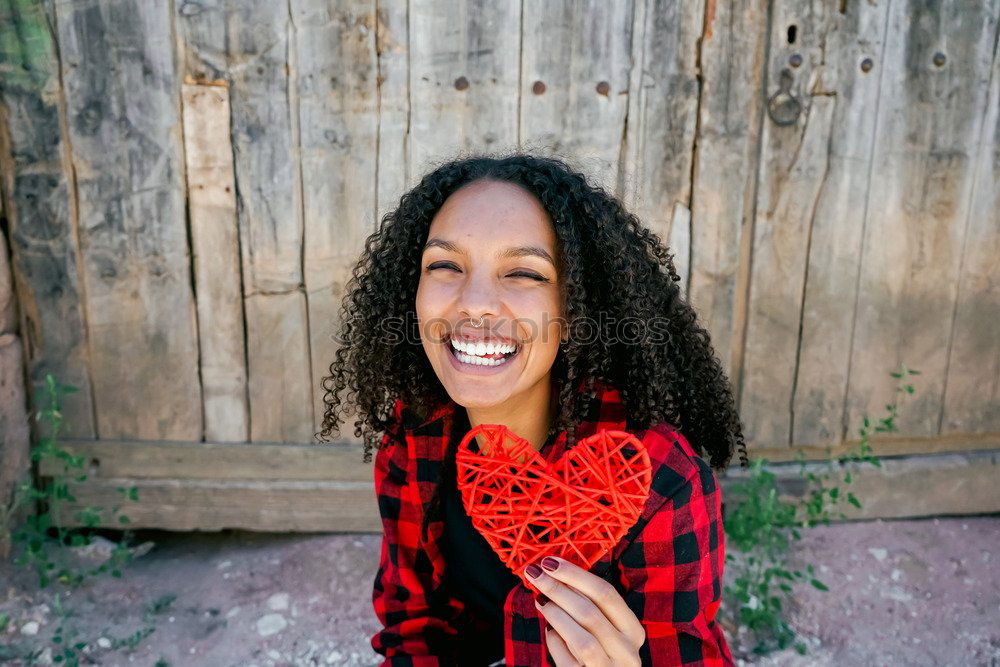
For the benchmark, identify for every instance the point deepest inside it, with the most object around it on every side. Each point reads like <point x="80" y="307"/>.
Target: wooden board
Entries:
<point x="655" y="170"/>
<point x="215" y="460"/>
<point x="972" y="388"/>
<point x="929" y="125"/>
<point x="122" y="93"/>
<point x="216" y="255"/>
<point x="910" y="487"/>
<point x="576" y="58"/>
<point x="463" y="80"/>
<point x="41" y="212"/>
<point x="731" y="60"/>
<point x="184" y="504"/>
<point x="338" y="121"/>
<point x="326" y="488"/>
<point x="393" y="44"/>
<point x="813" y="175"/>
<point x="247" y="44"/>
<point x="852" y="75"/>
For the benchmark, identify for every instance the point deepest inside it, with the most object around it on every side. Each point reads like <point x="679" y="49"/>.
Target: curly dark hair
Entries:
<point x="610" y="264"/>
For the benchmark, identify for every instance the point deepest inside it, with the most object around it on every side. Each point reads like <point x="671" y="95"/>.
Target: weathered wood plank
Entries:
<point x="855" y="42"/>
<point x="393" y="44"/>
<point x="215" y="460"/>
<point x="123" y="110"/>
<point x="337" y="66"/>
<point x="902" y="487"/>
<point x="273" y="506"/>
<point x="463" y="80"/>
<point x="655" y="171"/>
<point x="934" y="93"/>
<point x="15" y="445"/>
<point x="906" y="487"/>
<point x="41" y="211"/>
<point x="813" y="172"/>
<point x="216" y="255"/>
<point x="575" y="62"/>
<point x="247" y="44"/>
<point x="724" y="174"/>
<point x="972" y="389"/>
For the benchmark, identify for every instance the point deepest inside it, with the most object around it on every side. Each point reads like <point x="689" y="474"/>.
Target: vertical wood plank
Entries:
<point x="655" y="172"/>
<point x="216" y="255"/>
<point x="123" y="110"/>
<point x="929" y="124"/>
<point x="393" y="44"/>
<point x="575" y="63"/>
<point x="804" y="205"/>
<point x="972" y="391"/>
<point x="338" y="112"/>
<point x="247" y="44"/>
<point x="41" y="212"/>
<point x="852" y="72"/>
<point x="724" y="174"/>
<point x="463" y="80"/>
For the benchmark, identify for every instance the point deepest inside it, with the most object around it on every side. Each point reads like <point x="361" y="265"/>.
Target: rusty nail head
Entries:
<point x="461" y="83"/>
<point x="538" y="88"/>
<point x="603" y="87"/>
<point x="795" y="60"/>
<point x="939" y="59"/>
<point x="866" y="65"/>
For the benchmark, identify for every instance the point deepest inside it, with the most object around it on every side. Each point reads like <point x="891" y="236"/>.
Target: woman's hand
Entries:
<point x="590" y="623"/>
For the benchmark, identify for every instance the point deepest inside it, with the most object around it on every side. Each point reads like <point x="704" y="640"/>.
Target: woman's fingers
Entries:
<point x="560" y="653"/>
<point x="598" y="593"/>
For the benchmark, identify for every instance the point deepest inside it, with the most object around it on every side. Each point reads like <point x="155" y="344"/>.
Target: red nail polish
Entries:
<point x="542" y="599"/>
<point x="550" y="564"/>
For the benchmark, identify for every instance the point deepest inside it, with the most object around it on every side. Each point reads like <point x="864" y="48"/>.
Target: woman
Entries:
<point x="507" y="290"/>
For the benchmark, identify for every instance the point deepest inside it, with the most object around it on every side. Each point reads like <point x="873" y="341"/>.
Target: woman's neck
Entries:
<point x="528" y="415"/>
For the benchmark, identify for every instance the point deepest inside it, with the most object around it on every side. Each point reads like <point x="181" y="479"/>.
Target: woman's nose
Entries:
<point x="479" y="295"/>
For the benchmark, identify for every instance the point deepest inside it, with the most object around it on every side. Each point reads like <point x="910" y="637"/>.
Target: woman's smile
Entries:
<point x="478" y="357"/>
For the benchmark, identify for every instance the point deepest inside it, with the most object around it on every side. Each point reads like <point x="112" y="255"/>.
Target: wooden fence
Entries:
<point x="188" y="183"/>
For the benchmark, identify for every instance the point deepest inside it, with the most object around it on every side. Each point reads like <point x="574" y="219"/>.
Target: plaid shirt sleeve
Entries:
<point x="416" y="629"/>
<point x="672" y="571"/>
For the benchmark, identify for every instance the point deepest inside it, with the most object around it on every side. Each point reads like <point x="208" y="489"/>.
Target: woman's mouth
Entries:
<point x="480" y="355"/>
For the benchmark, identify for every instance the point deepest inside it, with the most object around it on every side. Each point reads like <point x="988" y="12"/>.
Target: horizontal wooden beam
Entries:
<point x="216" y="461"/>
<point x="885" y="445"/>
<point x="903" y="487"/>
<point x="327" y="488"/>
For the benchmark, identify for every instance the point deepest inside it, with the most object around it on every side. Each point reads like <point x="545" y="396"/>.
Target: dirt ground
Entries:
<point x="922" y="592"/>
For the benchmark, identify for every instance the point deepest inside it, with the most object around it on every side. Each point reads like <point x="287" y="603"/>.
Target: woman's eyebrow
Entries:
<point x="513" y="251"/>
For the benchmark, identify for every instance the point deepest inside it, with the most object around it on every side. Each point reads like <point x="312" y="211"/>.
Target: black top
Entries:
<point x="476" y="574"/>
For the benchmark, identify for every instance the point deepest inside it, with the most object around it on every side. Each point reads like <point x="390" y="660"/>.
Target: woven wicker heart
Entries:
<point x="577" y="508"/>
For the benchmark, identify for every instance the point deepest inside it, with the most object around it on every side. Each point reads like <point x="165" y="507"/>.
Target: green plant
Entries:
<point x="763" y="524"/>
<point x="41" y="548"/>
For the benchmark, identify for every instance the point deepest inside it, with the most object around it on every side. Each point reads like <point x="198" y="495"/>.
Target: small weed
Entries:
<point x="47" y="546"/>
<point x="761" y="527"/>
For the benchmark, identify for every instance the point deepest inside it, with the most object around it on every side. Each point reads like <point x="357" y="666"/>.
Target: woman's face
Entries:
<point x="485" y="256"/>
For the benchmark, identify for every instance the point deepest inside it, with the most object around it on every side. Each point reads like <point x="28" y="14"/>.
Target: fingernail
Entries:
<point x="533" y="571"/>
<point x="550" y="564"/>
<point x="542" y="599"/>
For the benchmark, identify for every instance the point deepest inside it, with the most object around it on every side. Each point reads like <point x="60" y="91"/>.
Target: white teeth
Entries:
<point x="480" y="348"/>
<point x="479" y="361"/>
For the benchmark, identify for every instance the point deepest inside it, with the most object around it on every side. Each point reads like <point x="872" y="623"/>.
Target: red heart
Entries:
<point x="577" y="508"/>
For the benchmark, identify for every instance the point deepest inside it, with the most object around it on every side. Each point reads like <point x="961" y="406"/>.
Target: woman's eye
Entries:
<point x="441" y="265"/>
<point x="534" y="276"/>
<point x="516" y="274"/>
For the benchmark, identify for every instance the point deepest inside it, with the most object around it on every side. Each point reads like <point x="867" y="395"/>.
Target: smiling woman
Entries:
<point x="511" y="278"/>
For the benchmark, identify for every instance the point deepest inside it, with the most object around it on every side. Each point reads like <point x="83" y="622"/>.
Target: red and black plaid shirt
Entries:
<point x="667" y="567"/>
